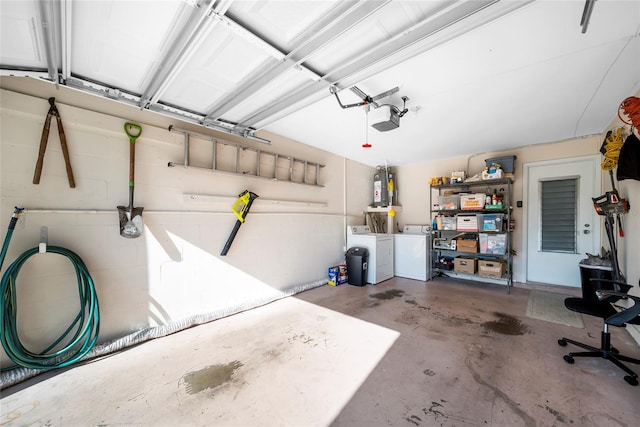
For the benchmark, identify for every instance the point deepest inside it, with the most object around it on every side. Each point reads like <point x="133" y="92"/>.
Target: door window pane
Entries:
<point x="558" y="215"/>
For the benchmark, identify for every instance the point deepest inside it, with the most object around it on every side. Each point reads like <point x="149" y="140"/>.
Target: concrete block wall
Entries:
<point x="174" y="270"/>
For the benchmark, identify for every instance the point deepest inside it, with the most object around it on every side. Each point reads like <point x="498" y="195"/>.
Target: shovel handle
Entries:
<point x="133" y="131"/>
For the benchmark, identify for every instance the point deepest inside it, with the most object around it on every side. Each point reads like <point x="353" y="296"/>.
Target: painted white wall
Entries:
<point x="414" y="180"/>
<point x="414" y="183"/>
<point x="174" y="270"/>
<point x="629" y="246"/>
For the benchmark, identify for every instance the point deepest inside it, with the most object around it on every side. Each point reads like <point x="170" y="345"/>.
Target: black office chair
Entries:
<point x="602" y="308"/>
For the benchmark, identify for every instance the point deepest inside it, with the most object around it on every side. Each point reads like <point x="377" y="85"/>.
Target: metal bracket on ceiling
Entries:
<point x="234" y="129"/>
<point x="365" y="100"/>
<point x="586" y="14"/>
<point x="368" y="100"/>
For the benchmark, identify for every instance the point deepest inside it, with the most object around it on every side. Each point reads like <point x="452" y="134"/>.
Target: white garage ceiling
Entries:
<point x="479" y="75"/>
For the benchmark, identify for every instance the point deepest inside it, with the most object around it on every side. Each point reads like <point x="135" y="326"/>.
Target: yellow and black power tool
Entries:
<point x="241" y="209"/>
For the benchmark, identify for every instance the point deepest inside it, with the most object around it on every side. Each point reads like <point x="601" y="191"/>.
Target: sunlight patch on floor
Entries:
<point x="296" y="362"/>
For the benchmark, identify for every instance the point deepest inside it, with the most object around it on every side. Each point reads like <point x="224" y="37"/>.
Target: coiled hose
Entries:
<point x="70" y="346"/>
<point x="631" y="108"/>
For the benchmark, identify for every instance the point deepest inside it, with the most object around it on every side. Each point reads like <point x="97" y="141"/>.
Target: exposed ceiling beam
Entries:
<point x="327" y="29"/>
<point x="433" y="31"/>
<point x="65" y="37"/>
<point x="182" y="49"/>
<point x="586" y="14"/>
<point x="51" y="27"/>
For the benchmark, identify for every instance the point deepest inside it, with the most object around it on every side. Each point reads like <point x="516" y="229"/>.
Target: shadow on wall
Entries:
<point x="171" y="276"/>
<point x="174" y="270"/>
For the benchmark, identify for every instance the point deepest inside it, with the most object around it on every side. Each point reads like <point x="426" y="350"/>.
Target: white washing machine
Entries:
<point x="411" y="252"/>
<point x="380" y="247"/>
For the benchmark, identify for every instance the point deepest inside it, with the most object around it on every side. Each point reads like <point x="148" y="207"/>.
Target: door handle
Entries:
<point x="586" y="231"/>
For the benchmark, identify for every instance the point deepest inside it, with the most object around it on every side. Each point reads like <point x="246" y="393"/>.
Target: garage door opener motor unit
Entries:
<point x="383" y="117"/>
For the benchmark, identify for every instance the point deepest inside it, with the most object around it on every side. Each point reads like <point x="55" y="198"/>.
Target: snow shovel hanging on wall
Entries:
<point x="131" y="218"/>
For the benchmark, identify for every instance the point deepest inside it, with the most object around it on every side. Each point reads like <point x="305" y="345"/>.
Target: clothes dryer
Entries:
<point x="380" y="246"/>
<point x="411" y="252"/>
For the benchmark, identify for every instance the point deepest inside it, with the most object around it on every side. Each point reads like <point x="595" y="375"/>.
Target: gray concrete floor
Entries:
<point x="401" y="353"/>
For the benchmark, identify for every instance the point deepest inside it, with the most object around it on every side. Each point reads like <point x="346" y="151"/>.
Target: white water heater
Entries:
<point x="382" y="197"/>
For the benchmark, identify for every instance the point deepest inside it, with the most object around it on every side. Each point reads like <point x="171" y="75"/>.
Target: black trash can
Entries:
<point x="589" y="286"/>
<point x="357" y="260"/>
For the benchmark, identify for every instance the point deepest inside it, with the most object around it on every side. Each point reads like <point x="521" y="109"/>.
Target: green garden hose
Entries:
<point x="76" y="341"/>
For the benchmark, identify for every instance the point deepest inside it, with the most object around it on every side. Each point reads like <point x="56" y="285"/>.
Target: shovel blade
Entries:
<point x="131" y="225"/>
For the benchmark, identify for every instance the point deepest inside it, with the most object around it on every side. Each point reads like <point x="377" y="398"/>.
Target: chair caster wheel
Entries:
<point x="568" y="359"/>
<point x="631" y="380"/>
<point x="562" y="343"/>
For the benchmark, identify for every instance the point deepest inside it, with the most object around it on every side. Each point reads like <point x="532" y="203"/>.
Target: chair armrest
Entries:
<point x="603" y="294"/>
<point x="621" y="286"/>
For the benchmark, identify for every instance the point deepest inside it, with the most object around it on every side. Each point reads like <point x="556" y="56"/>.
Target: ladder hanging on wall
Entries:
<point x="235" y="158"/>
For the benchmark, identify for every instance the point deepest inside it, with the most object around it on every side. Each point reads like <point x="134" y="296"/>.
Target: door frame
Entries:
<point x="524" y="242"/>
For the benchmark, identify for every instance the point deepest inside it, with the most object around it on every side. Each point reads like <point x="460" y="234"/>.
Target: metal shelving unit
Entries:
<point x="505" y="186"/>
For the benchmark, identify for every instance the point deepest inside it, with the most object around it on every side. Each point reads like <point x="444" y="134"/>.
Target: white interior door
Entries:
<point x="562" y="224"/>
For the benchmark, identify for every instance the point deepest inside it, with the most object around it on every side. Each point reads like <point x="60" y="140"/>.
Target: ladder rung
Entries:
<point x="235" y="168"/>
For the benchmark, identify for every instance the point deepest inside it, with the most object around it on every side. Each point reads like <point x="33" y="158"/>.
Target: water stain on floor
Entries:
<point x="210" y="377"/>
<point x="414" y="303"/>
<point x="386" y="295"/>
<point x="560" y="417"/>
<point x="528" y="420"/>
<point x="505" y="325"/>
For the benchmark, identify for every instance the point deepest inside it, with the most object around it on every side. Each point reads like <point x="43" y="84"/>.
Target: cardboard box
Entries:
<point x="457" y="176"/>
<point x="464" y="265"/>
<point x="493" y="269"/>
<point x="333" y="275"/>
<point x="467" y="223"/>
<point x="496" y="175"/>
<point x="472" y="201"/>
<point x="470" y="246"/>
<point x="337" y="275"/>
